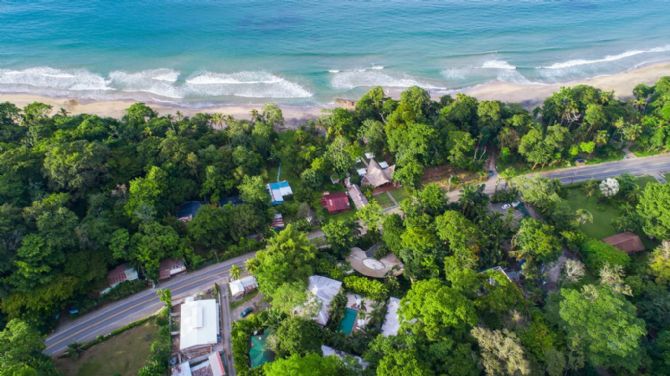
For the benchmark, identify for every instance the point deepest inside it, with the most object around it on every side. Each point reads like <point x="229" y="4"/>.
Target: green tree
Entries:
<point x="654" y="209"/>
<point x="501" y="352"/>
<point x="76" y="166"/>
<point x="659" y="262"/>
<point x="403" y="363"/>
<point x="288" y="296"/>
<point x="210" y="228"/>
<point x="432" y="308"/>
<point x="461" y="235"/>
<point x="288" y="257"/>
<point x="536" y="241"/>
<point x="153" y="243"/>
<point x="310" y="364"/>
<point x="253" y="191"/>
<point x="296" y="335"/>
<point x="235" y="272"/>
<point x="372" y="216"/>
<point x="603" y="325"/>
<point x="146" y="196"/>
<point x="340" y="233"/>
<point x="21" y="351"/>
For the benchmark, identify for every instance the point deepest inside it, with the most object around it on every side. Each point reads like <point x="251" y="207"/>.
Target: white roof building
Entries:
<point x="199" y="323"/>
<point x="241" y="286"/>
<point x="324" y="290"/>
<point x="391" y="322"/>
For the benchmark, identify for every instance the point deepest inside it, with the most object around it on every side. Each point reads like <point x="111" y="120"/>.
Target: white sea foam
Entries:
<point x="53" y="79"/>
<point x="373" y="76"/>
<point x="606" y="59"/>
<point x="498" y="64"/>
<point x="333" y="71"/>
<point x="155" y="81"/>
<point x="244" y="84"/>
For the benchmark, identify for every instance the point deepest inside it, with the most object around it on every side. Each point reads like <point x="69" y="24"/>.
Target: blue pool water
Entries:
<point x="348" y="321"/>
<point x="310" y="51"/>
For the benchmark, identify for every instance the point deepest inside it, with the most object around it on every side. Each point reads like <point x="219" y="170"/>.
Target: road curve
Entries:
<point x="653" y="166"/>
<point x="135" y="307"/>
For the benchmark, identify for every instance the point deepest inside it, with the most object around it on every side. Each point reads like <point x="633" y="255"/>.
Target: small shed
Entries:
<point x="279" y="190"/>
<point x="121" y="273"/>
<point x="335" y="202"/>
<point x="278" y="222"/>
<point x="170" y="267"/>
<point x="625" y="241"/>
<point x="188" y="210"/>
<point x="242" y="286"/>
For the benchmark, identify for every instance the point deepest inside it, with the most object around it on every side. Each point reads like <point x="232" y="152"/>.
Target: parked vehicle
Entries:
<point x="245" y="312"/>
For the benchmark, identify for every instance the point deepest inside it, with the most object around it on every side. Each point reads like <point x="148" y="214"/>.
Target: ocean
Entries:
<point x="202" y="52"/>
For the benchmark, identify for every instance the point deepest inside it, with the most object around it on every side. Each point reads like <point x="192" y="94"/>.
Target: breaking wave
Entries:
<point x="374" y="76"/>
<point x="161" y="82"/>
<point x="606" y="59"/>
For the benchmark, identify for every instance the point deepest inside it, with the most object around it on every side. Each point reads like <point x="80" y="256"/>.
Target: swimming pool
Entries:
<point x="348" y="321"/>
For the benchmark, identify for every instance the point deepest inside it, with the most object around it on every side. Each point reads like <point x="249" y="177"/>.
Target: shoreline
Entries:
<point x="527" y="94"/>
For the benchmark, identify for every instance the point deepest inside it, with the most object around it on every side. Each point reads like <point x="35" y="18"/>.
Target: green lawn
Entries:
<point x="400" y="194"/>
<point x="603" y="213"/>
<point x="644" y="180"/>
<point x="383" y="200"/>
<point x="122" y="355"/>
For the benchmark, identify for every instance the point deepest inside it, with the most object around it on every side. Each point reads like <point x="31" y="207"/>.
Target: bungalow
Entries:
<point x="120" y="274"/>
<point x="199" y="329"/>
<point x="323" y="290"/>
<point x="188" y="210"/>
<point x="279" y="190"/>
<point x="335" y="202"/>
<point x="212" y="366"/>
<point x="242" y="286"/>
<point x="625" y="241"/>
<point x="170" y="267"/>
<point x="378" y="176"/>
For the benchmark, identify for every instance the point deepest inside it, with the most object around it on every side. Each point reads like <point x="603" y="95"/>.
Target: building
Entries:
<point x="242" y="286"/>
<point x="335" y="202"/>
<point x="170" y="267"/>
<point x="376" y="176"/>
<point x="625" y="241"/>
<point x="278" y="191"/>
<point x="278" y="222"/>
<point x="199" y="329"/>
<point x="391" y="320"/>
<point x="213" y="366"/>
<point x="355" y="194"/>
<point x="323" y="290"/>
<point x="120" y="274"/>
<point x="188" y="210"/>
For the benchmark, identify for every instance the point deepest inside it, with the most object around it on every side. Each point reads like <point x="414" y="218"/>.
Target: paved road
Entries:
<point x="135" y="307"/>
<point x="652" y="166"/>
<point x="226" y="329"/>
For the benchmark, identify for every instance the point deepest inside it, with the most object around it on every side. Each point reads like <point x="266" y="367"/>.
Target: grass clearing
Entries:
<point x="603" y="213"/>
<point x="400" y="194"/>
<point x="383" y="200"/>
<point x="122" y="355"/>
<point x="642" y="181"/>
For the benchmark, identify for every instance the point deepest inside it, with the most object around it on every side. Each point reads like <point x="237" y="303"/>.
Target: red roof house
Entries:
<point x="170" y="267"/>
<point x="335" y="202"/>
<point x="625" y="241"/>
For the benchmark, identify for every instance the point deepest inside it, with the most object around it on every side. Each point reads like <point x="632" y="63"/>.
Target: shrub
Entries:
<point x="597" y="253"/>
<point x="371" y="288"/>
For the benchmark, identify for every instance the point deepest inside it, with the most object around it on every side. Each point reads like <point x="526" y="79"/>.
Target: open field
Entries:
<point x="122" y="355"/>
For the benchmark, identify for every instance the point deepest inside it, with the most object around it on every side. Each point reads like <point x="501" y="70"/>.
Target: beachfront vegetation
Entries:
<point x="81" y="194"/>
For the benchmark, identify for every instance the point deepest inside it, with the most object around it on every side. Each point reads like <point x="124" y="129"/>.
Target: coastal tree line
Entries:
<point x="80" y="194"/>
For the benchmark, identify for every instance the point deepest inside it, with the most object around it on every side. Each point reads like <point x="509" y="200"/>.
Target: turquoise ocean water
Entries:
<point x="303" y="52"/>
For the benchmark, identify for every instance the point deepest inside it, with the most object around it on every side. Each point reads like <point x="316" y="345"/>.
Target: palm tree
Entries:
<point x="235" y="272"/>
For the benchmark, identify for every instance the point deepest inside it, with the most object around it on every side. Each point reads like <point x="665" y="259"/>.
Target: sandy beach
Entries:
<point x="528" y="95"/>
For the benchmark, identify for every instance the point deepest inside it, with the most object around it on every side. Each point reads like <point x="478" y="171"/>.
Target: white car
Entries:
<point x="506" y="206"/>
